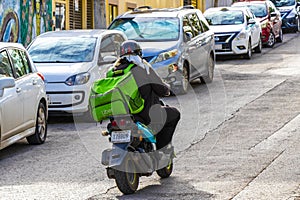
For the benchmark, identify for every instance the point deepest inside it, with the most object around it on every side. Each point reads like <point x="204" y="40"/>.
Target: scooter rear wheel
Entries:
<point x="127" y="182"/>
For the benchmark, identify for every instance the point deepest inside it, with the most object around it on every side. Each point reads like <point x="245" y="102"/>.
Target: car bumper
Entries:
<point x="164" y="70"/>
<point x="289" y="23"/>
<point x="232" y="47"/>
<point x="68" y="99"/>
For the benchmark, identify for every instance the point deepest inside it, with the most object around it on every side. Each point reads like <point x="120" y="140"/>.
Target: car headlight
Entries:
<point x="166" y="55"/>
<point x="264" y="24"/>
<point x="78" y="79"/>
<point x="241" y="36"/>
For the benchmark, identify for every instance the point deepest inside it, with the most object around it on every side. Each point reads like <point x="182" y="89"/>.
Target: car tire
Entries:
<point x="298" y="24"/>
<point x="210" y="71"/>
<point x="40" y="133"/>
<point x="280" y="37"/>
<point x="259" y="46"/>
<point x="248" y="55"/>
<point x="183" y="88"/>
<point x="271" y="40"/>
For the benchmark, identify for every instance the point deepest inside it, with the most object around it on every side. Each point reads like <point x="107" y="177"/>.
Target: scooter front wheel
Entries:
<point x="127" y="182"/>
<point x="166" y="171"/>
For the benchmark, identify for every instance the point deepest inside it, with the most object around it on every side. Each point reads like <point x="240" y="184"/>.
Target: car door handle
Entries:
<point x="34" y="82"/>
<point x="18" y="90"/>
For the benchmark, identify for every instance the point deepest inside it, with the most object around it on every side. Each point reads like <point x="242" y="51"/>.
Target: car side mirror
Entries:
<point x="273" y="14"/>
<point x="187" y="36"/>
<point x="6" y="82"/>
<point x="251" y="21"/>
<point x="298" y="7"/>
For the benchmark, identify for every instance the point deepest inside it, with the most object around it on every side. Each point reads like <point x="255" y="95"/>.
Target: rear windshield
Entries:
<point x="148" y="28"/>
<point x="229" y="17"/>
<point x="63" y="49"/>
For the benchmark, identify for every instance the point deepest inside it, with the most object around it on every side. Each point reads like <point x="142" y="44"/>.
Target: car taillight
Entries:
<point x="41" y="75"/>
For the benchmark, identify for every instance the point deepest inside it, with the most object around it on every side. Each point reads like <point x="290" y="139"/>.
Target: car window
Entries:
<point x="187" y="26"/>
<point x="63" y="49"/>
<point x="225" y="17"/>
<point x="271" y="6"/>
<point x="148" y="29"/>
<point x="195" y="24"/>
<point x="110" y="46"/>
<point x="25" y="62"/>
<point x="204" y="23"/>
<point x="20" y="65"/>
<point x="5" y="67"/>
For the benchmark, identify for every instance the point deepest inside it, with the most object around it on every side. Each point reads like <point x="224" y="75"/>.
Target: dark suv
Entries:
<point x="269" y="18"/>
<point x="177" y="42"/>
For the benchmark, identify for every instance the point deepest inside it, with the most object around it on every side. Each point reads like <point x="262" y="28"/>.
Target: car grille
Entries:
<point x="224" y="40"/>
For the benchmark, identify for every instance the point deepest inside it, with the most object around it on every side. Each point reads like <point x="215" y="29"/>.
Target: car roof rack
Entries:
<point x="187" y="7"/>
<point x="142" y="8"/>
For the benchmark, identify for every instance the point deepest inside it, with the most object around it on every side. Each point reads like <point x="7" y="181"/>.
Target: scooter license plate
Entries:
<point x="120" y="136"/>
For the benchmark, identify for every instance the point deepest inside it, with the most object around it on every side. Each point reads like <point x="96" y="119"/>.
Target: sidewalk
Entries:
<point x="254" y="155"/>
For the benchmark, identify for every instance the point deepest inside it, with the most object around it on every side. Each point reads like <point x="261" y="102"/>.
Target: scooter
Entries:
<point x="134" y="154"/>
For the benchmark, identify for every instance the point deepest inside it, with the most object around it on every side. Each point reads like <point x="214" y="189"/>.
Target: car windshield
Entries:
<point x="63" y="49"/>
<point x="259" y="10"/>
<point x="148" y="28"/>
<point x="228" y="17"/>
<point x="280" y="3"/>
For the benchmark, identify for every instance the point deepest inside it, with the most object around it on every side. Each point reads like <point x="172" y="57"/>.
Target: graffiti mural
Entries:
<point x="22" y="20"/>
<point x="9" y="20"/>
<point x="36" y="19"/>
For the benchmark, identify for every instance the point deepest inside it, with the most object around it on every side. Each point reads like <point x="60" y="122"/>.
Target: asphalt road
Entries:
<point x="238" y="139"/>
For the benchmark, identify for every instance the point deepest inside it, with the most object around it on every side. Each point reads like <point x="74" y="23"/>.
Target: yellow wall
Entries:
<point x="122" y="5"/>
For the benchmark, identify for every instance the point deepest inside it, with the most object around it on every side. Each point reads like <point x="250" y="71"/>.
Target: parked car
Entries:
<point x="290" y="14"/>
<point x="71" y="61"/>
<point x="177" y="42"/>
<point x="270" y="20"/>
<point x="237" y="31"/>
<point x="23" y="101"/>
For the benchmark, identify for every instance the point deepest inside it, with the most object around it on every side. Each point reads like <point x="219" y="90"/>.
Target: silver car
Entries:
<point x="71" y="61"/>
<point x="23" y="102"/>
<point x="177" y="42"/>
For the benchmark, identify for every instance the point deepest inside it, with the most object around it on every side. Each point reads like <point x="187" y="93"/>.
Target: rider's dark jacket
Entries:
<point x="151" y="87"/>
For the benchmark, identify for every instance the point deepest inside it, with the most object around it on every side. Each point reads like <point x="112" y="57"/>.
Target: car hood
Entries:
<point x="59" y="72"/>
<point x="227" y="28"/>
<point x="261" y="19"/>
<point x="155" y="48"/>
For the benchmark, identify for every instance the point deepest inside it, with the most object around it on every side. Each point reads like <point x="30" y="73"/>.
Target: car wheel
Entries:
<point x="248" y="55"/>
<point x="183" y="88"/>
<point x="259" y="46"/>
<point x="298" y="24"/>
<point x="280" y="37"/>
<point x="40" y="133"/>
<point x="210" y="71"/>
<point x="271" y="40"/>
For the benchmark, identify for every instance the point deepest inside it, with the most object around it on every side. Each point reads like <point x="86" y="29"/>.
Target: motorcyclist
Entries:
<point x="151" y="88"/>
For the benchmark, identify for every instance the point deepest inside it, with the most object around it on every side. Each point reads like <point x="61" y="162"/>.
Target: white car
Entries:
<point x="23" y="100"/>
<point x="71" y="61"/>
<point x="236" y="29"/>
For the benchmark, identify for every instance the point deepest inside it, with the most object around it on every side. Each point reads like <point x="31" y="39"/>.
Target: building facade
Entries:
<point x="22" y="20"/>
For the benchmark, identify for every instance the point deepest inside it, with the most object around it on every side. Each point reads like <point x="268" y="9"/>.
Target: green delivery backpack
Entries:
<point x="117" y="94"/>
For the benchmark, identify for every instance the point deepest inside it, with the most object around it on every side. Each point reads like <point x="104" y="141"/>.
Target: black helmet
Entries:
<point x="130" y="47"/>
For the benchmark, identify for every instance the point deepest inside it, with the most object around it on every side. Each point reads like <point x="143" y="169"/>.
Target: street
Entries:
<point x="238" y="138"/>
